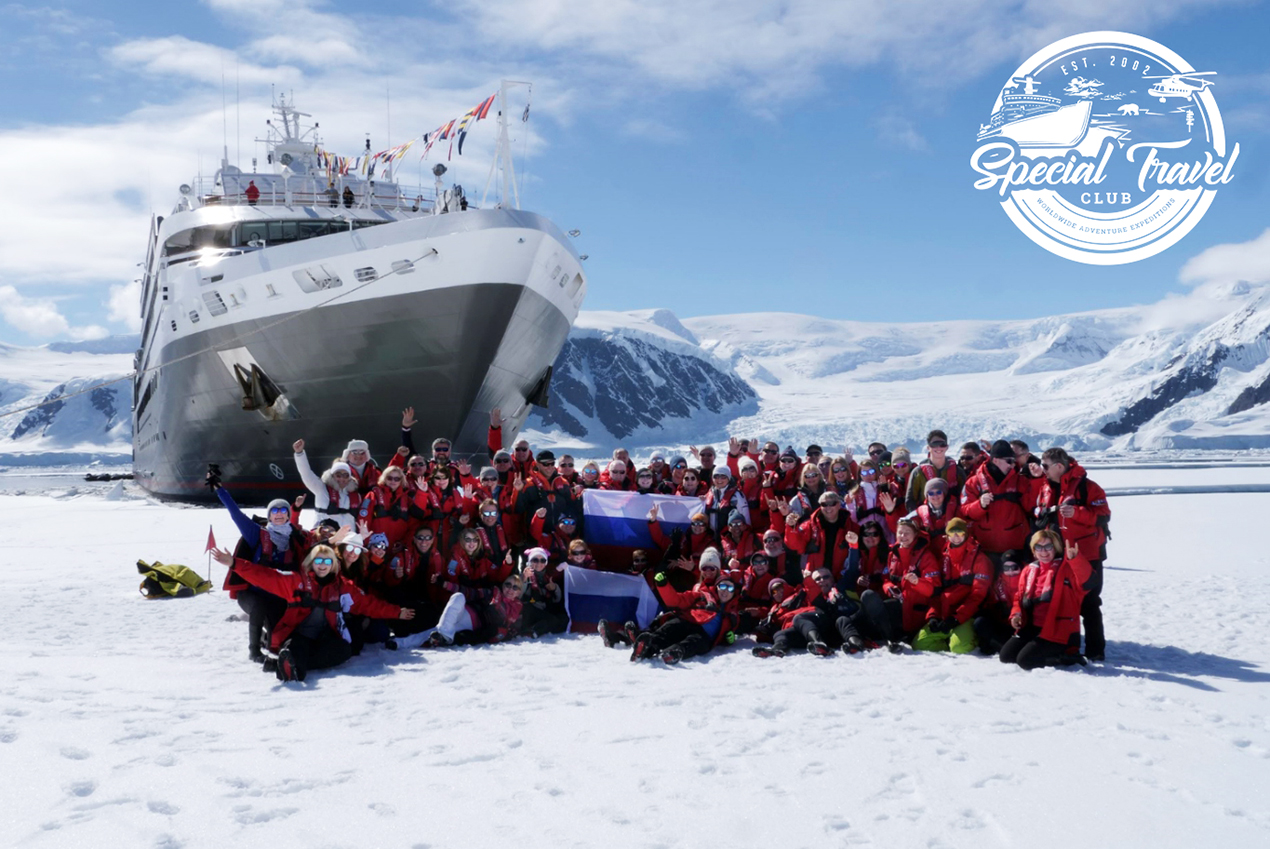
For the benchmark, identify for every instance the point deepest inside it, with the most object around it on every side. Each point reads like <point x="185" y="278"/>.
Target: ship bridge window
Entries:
<point x="200" y="237"/>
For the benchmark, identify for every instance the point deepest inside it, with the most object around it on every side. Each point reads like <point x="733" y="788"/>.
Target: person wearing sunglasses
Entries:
<point x="470" y="571"/>
<point x="739" y="542"/>
<point x="872" y="555"/>
<point x="645" y="481"/>
<point x="414" y="569"/>
<point x="364" y="468"/>
<point x="785" y="480"/>
<point x="966" y="576"/>
<point x="695" y="621"/>
<point x="936" y="465"/>
<point x="994" y="501"/>
<point x="443" y="505"/>
<point x="691" y="485"/>
<point x="933" y="515"/>
<point x="756" y="596"/>
<point x="822" y="618"/>
<point x="911" y="580"/>
<point x="724" y="498"/>
<point x="1031" y="473"/>
<point x="544" y="595"/>
<point x="311" y="634"/>
<point x="705" y="458"/>
<point x="811" y="485"/>
<point x="494" y="538"/>
<point x="749" y="485"/>
<point x="554" y="540"/>
<point x="872" y="501"/>
<point x="901" y="467"/>
<point x="566" y="468"/>
<point x="274" y="542"/>
<point x="842" y="476"/>
<point x="590" y="476"/>
<point x="335" y="493"/>
<point x="823" y="538"/>
<point x="616" y="476"/>
<point x="682" y="551"/>
<point x="659" y="467"/>
<point x="1076" y="507"/>
<point x="970" y="458"/>
<point x="992" y="623"/>
<point x="386" y="507"/>
<point x="1047" y="606"/>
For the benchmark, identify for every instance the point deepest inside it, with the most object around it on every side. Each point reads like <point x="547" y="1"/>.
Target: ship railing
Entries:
<point x="275" y="191"/>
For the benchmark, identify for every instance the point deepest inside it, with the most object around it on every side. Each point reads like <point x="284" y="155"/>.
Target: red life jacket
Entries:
<point x="1050" y="596"/>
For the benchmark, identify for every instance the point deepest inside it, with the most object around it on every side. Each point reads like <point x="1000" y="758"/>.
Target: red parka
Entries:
<point x="1086" y="525"/>
<point x="916" y="597"/>
<point x="1004" y="524"/>
<point x="1049" y="597"/>
<point x="966" y="578"/>
<point x="303" y="592"/>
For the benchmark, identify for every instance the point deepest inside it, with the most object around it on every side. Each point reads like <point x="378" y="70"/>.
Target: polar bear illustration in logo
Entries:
<point x="1129" y="109"/>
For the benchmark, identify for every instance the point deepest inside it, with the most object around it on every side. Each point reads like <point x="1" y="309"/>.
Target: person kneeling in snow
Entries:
<point x="1046" y="614"/>
<point x="312" y="634"/>
<point x="697" y="620"/>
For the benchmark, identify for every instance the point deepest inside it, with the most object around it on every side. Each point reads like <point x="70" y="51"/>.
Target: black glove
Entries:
<point x="213" y="476"/>
<point x="936" y="626"/>
<point x="660" y="579"/>
<point x="950" y="624"/>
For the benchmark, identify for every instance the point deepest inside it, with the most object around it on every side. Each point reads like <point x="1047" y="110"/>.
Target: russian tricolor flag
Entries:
<point x="591" y="595"/>
<point x="615" y="523"/>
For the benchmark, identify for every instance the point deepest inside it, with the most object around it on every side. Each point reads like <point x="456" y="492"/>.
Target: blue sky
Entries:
<point x="719" y="157"/>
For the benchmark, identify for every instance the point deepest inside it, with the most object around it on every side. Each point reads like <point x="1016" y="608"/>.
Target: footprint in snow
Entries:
<point x="81" y="788"/>
<point x="75" y="754"/>
<point x="163" y="808"/>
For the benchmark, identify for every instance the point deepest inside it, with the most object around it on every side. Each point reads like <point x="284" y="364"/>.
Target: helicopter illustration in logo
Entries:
<point x="1179" y="85"/>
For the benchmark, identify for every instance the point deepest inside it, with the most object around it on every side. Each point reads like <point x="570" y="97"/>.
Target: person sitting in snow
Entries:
<point x="695" y="621"/>
<point x="312" y="633"/>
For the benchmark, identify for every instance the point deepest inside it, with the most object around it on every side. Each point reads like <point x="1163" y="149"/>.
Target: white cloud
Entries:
<point x="177" y="55"/>
<point x="124" y="305"/>
<point x="1228" y="265"/>
<point x="773" y="49"/>
<point x="40" y="317"/>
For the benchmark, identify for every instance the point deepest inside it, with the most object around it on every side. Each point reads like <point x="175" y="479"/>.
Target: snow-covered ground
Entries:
<point x="134" y="723"/>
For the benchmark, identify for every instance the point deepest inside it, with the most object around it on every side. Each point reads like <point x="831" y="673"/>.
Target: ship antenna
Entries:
<point x="224" y="120"/>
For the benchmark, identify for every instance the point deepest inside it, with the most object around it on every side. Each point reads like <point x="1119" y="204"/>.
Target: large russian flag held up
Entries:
<point x="615" y="525"/>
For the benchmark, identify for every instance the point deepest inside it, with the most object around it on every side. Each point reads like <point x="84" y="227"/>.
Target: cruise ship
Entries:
<point x="285" y="303"/>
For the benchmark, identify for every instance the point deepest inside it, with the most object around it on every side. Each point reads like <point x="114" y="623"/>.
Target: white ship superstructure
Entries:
<point x="324" y="305"/>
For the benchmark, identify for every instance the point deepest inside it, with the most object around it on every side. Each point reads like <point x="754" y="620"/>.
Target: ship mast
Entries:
<point x="503" y="152"/>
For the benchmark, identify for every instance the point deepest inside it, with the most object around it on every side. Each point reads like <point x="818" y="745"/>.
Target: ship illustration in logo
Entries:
<point x="1037" y="120"/>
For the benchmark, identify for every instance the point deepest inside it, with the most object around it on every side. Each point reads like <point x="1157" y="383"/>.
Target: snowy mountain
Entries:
<point x="637" y="378"/>
<point x="1191" y="372"/>
<point x="89" y="425"/>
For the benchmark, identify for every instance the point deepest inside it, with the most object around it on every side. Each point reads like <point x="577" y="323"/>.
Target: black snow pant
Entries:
<point x="810" y="627"/>
<point x="536" y="621"/>
<point x="689" y="636"/>
<point x="1091" y="614"/>
<point x="321" y="652"/>
<point x="880" y="618"/>
<point x="1029" y="651"/>
<point x="263" y="612"/>
<point x="992" y="634"/>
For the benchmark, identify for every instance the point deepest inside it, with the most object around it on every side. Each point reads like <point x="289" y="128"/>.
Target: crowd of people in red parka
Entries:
<point x="996" y="550"/>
